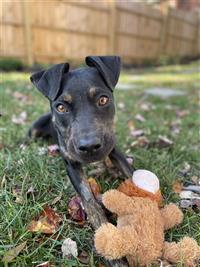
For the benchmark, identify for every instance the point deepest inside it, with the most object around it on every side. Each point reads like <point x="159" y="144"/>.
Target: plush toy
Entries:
<point x="139" y="235"/>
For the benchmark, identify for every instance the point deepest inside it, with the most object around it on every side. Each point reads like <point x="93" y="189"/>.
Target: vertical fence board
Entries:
<point x="70" y="30"/>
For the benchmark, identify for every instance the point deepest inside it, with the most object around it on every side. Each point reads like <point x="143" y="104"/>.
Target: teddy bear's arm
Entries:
<point x="117" y="202"/>
<point x="171" y="215"/>
<point x="115" y="243"/>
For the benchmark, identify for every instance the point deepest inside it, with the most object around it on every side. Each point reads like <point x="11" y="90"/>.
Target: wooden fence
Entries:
<point x="56" y="30"/>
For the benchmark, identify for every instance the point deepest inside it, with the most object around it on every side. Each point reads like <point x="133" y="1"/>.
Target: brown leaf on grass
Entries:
<point x="190" y="203"/>
<point x="195" y="179"/>
<point x="1" y="146"/>
<point x="17" y="193"/>
<point x="95" y="187"/>
<point x="69" y="248"/>
<point x="147" y="106"/>
<point x="142" y="141"/>
<point x="182" y="113"/>
<point x="84" y="257"/>
<point x="47" y="222"/>
<point x="137" y="133"/>
<point x="11" y="254"/>
<point x="21" y="97"/>
<point x="193" y="188"/>
<point x="53" y="150"/>
<point x="189" y="195"/>
<point x="130" y="159"/>
<point x="164" y="142"/>
<point x="140" y="118"/>
<point x="131" y="125"/>
<point x="185" y="169"/>
<point x="76" y="210"/>
<point x="20" y="119"/>
<point x="177" y="187"/>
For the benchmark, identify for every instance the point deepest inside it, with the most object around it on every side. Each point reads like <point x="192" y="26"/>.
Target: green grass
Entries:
<point x="47" y="175"/>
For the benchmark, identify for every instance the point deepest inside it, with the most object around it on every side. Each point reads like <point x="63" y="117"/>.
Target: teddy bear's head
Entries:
<point x="143" y="184"/>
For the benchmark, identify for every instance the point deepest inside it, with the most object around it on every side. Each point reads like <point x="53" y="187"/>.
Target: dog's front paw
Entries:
<point x="108" y="241"/>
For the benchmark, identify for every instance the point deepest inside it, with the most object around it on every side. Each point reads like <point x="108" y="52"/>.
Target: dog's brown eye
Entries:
<point x="103" y="100"/>
<point x="60" y="108"/>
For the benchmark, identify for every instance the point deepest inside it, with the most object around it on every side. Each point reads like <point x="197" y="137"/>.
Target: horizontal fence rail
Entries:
<point x="57" y="30"/>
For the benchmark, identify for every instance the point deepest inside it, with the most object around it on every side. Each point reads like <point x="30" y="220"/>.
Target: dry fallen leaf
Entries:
<point x="195" y="179"/>
<point x="131" y="125"/>
<point x="53" y="150"/>
<point x="137" y="133"/>
<point x="95" y="187"/>
<point x="130" y="160"/>
<point x="13" y="252"/>
<point x="121" y="105"/>
<point x="69" y="248"/>
<point x="20" y="119"/>
<point x="193" y="188"/>
<point x="186" y="168"/>
<point x="182" y="113"/>
<point x="76" y="210"/>
<point x="47" y="222"/>
<point x="190" y="203"/>
<point x="177" y="186"/>
<point x="140" y="118"/>
<point x="142" y="141"/>
<point x="84" y="257"/>
<point x="147" y="106"/>
<point x="21" y="97"/>
<point x="189" y="195"/>
<point x="17" y="193"/>
<point x="164" y="142"/>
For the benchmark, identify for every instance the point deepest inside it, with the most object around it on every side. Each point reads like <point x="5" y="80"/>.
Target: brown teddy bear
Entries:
<point x="139" y="235"/>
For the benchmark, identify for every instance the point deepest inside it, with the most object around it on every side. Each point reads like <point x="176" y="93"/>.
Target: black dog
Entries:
<point x="81" y="119"/>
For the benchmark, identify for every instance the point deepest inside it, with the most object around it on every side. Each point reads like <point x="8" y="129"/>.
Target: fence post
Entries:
<point x="164" y="32"/>
<point x="27" y="32"/>
<point x="112" y="28"/>
<point x="197" y="47"/>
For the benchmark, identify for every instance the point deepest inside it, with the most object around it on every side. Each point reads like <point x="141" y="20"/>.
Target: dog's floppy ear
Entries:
<point x="49" y="81"/>
<point x="108" y="67"/>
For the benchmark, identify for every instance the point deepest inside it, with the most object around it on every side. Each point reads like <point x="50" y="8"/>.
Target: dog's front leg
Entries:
<point x="94" y="211"/>
<point x="119" y="160"/>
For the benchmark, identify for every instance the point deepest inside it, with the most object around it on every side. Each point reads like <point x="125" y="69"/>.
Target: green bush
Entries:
<point x="11" y="64"/>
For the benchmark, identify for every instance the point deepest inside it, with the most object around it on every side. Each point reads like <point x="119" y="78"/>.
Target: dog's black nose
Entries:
<point x="89" y="145"/>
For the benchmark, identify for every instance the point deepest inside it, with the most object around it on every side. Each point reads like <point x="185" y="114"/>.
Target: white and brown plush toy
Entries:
<point x="139" y="234"/>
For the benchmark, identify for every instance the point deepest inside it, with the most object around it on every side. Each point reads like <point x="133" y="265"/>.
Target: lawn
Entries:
<point x="30" y="180"/>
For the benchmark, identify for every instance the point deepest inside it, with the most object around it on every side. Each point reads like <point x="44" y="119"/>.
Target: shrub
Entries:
<point x="11" y="64"/>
